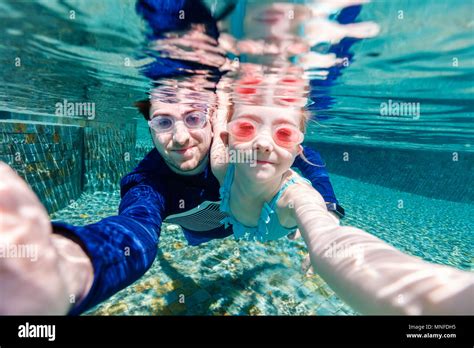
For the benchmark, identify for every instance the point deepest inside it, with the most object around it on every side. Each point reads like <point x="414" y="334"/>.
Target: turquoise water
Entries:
<point x="407" y="179"/>
<point x="428" y="58"/>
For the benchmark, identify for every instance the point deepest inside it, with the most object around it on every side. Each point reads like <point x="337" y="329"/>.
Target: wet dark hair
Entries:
<point x="143" y="107"/>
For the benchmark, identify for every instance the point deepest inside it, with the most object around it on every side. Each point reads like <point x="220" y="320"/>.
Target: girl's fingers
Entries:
<point x="306" y="266"/>
<point x="294" y="235"/>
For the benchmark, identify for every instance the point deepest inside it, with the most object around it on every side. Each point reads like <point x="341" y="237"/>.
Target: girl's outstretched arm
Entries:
<point x="372" y="276"/>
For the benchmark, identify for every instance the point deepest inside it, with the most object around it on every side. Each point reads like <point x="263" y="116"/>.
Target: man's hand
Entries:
<point x="31" y="279"/>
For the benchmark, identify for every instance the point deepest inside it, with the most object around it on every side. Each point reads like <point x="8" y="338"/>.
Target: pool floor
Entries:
<point x="225" y="277"/>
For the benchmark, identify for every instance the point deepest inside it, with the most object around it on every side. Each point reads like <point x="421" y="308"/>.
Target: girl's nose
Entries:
<point x="263" y="143"/>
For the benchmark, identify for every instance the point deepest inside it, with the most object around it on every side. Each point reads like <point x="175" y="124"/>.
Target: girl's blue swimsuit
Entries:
<point x="269" y="226"/>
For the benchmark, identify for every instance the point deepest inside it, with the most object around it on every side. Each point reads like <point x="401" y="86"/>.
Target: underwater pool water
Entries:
<point x="404" y="178"/>
<point x="225" y="277"/>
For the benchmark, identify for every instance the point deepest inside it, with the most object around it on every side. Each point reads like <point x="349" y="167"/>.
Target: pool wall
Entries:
<point x="431" y="173"/>
<point x="60" y="161"/>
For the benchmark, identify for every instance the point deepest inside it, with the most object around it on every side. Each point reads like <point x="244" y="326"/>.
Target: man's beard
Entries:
<point x="192" y="171"/>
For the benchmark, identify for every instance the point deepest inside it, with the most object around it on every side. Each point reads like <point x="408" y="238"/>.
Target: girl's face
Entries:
<point x="272" y="159"/>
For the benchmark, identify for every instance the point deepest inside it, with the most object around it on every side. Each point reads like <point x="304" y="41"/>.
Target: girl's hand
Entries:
<point x="306" y="266"/>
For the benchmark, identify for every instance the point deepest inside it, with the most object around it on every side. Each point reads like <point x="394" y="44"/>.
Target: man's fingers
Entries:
<point x="14" y="191"/>
<point x="19" y="206"/>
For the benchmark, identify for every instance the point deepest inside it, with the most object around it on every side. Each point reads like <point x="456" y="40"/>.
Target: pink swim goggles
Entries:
<point x="284" y="135"/>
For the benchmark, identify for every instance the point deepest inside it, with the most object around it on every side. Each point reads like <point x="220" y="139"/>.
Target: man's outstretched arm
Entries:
<point x="122" y="248"/>
<point x="75" y="267"/>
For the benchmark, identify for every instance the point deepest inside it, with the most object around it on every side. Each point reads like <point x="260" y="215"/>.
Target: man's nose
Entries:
<point x="263" y="143"/>
<point x="180" y="133"/>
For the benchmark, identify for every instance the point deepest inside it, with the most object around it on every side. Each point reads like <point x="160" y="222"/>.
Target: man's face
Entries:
<point x="184" y="150"/>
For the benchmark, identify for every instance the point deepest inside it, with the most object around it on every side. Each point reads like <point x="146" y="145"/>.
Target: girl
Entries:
<point x="265" y="200"/>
